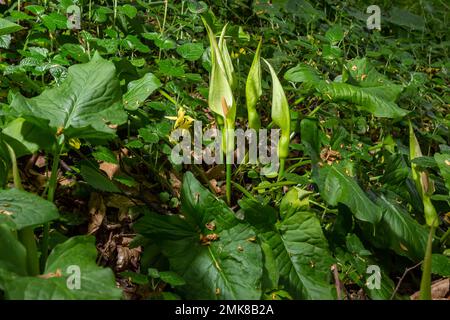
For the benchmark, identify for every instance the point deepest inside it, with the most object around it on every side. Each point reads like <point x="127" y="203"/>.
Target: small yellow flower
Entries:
<point x="181" y="121"/>
<point x="75" y="143"/>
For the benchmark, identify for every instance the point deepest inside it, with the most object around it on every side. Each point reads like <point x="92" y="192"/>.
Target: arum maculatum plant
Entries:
<point x="221" y="100"/>
<point x="425" y="188"/>
<point x="253" y="90"/>
<point x="281" y="117"/>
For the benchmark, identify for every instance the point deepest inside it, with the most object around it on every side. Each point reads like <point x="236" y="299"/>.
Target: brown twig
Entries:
<point x="337" y="282"/>
<point x="402" y="277"/>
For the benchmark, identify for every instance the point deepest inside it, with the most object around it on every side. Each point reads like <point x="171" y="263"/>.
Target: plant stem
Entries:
<point x="243" y="190"/>
<point x="228" y="183"/>
<point x="425" y="283"/>
<point x="26" y="235"/>
<point x="281" y="171"/>
<point x="275" y="184"/>
<point x="52" y="184"/>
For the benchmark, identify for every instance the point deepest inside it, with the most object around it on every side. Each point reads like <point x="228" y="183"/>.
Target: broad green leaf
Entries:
<point x="128" y="10"/>
<point x="191" y="51"/>
<point x="398" y="231"/>
<point x="97" y="180"/>
<point x="7" y="27"/>
<point x="132" y="42"/>
<point x="105" y="154"/>
<point x="81" y="105"/>
<point x="294" y="200"/>
<point x="20" y="209"/>
<point x="172" y="278"/>
<point x="440" y="265"/>
<point x="303" y="73"/>
<point x="299" y="249"/>
<point x="12" y="253"/>
<point x="443" y="162"/>
<point x="54" y="21"/>
<point x="370" y="99"/>
<point x="229" y="267"/>
<point x="406" y="19"/>
<point x="356" y="259"/>
<point x="310" y="138"/>
<point x="367" y="88"/>
<point x="253" y="89"/>
<point x="195" y="6"/>
<point x="337" y="187"/>
<point x="26" y="138"/>
<point x="140" y="90"/>
<point x="75" y="257"/>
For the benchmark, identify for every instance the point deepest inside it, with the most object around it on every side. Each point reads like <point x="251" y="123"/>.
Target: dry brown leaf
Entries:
<point x="57" y="274"/>
<point x="109" y="168"/>
<point x="127" y="256"/>
<point x="440" y="290"/>
<point x="40" y="161"/>
<point x="175" y="183"/>
<point x="214" y="185"/>
<point x="97" y="212"/>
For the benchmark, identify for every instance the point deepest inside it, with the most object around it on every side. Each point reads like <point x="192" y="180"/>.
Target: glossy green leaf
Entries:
<point x="13" y="256"/>
<point x="75" y="257"/>
<point x="26" y="138"/>
<point x="229" y="267"/>
<point x="97" y="180"/>
<point x="20" y="209"/>
<point x="369" y="98"/>
<point x="357" y="260"/>
<point x="443" y="162"/>
<point x="140" y="90"/>
<point x="191" y="51"/>
<point x="7" y="27"/>
<point x="338" y="187"/>
<point x="440" y="264"/>
<point x="82" y="105"/>
<point x="299" y="249"/>
<point x="398" y="231"/>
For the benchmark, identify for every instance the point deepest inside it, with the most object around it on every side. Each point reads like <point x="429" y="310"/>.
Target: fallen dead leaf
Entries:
<point x="97" y="212"/>
<point x="127" y="256"/>
<point x="440" y="290"/>
<point x="175" y="183"/>
<point x="57" y="274"/>
<point x="110" y="169"/>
